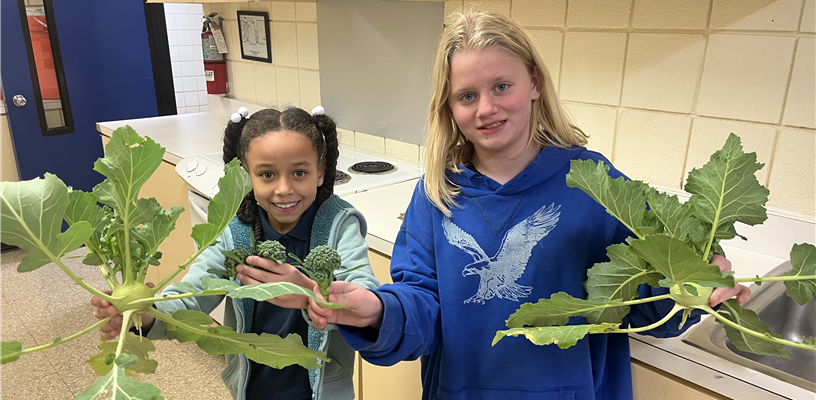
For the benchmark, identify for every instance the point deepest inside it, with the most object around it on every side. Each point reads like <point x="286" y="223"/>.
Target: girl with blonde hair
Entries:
<point x="493" y="224"/>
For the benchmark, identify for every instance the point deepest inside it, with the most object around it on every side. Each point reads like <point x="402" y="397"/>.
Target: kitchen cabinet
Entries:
<point x="8" y="170"/>
<point x="650" y="383"/>
<point x="169" y="190"/>
<point x="397" y="382"/>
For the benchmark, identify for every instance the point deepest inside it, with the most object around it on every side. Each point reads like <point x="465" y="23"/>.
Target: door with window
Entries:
<point x="67" y="65"/>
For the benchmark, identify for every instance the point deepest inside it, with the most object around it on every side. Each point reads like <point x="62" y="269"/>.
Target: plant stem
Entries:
<point x="777" y="278"/>
<point x="170" y="320"/>
<point x="123" y="333"/>
<point x="177" y="297"/>
<point x="668" y="316"/>
<point x="181" y="267"/>
<point x="60" y="341"/>
<point x="638" y="301"/>
<point x="760" y="335"/>
<point x="716" y="220"/>
<point x="104" y="268"/>
<point x="79" y="280"/>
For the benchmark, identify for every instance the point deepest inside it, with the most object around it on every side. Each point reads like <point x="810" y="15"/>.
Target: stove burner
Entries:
<point x="372" y="167"/>
<point x="341" y="177"/>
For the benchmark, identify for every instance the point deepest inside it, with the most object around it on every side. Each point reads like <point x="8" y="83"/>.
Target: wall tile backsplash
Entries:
<point x="293" y="76"/>
<point x="184" y="39"/>
<point x="741" y="66"/>
<point x="657" y="84"/>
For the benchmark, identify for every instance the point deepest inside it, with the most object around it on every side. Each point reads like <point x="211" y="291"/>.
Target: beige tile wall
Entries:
<point x="293" y="76"/>
<point x="659" y="84"/>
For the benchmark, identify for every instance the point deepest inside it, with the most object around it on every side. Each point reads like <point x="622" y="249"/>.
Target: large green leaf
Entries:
<point x="233" y="186"/>
<point x="271" y="350"/>
<point x="563" y="336"/>
<point x="31" y="215"/>
<point x="146" y="211"/>
<point x="158" y="228"/>
<point x="117" y="386"/>
<point x="10" y="351"/>
<point x="803" y="260"/>
<point x="677" y="218"/>
<point x="138" y="346"/>
<point x="129" y="162"/>
<point x="82" y="206"/>
<point x="617" y="279"/>
<point x="553" y="311"/>
<point x="261" y="291"/>
<point x="745" y="342"/>
<point x="725" y="189"/>
<point x="677" y="261"/>
<point x="621" y="198"/>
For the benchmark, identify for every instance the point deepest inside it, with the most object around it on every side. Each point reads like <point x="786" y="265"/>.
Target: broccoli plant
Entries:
<point x="271" y="249"/>
<point x="122" y="237"/>
<point x="672" y="247"/>
<point x="320" y="264"/>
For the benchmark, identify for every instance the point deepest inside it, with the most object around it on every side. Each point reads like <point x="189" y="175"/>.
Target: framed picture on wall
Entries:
<point x="253" y="27"/>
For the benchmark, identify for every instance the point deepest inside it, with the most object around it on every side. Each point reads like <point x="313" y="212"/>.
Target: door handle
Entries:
<point x="19" y="100"/>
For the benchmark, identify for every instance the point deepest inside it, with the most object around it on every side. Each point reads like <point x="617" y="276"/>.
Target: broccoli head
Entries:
<point x="273" y="250"/>
<point x="232" y="258"/>
<point x="320" y="265"/>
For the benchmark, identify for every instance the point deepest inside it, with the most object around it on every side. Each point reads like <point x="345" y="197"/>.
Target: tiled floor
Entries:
<point x="38" y="306"/>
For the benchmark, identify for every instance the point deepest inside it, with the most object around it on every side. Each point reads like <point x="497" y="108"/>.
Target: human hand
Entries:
<point x="103" y="309"/>
<point x="273" y="272"/>
<point x="719" y="295"/>
<point x="364" y="307"/>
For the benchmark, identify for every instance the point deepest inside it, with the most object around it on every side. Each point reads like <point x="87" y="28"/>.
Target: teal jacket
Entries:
<point x="336" y="224"/>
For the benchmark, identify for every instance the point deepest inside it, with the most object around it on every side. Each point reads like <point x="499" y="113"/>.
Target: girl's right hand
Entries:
<point x="364" y="307"/>
<point x="103" y="309"/>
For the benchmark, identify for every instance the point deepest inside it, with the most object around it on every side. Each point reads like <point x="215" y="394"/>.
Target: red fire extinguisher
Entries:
<point x="215" y="64"/>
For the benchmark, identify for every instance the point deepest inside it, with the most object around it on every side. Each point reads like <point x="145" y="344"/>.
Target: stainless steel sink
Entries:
<point x="784" y="317"/>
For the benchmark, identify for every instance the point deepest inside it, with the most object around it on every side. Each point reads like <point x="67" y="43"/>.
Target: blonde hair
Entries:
<point x="446" y="146"/>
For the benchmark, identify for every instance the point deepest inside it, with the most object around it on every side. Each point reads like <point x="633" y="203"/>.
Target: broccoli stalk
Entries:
<point x="320" y="265"/>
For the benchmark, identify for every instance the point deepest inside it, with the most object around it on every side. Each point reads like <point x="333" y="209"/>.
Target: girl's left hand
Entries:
<point x="719" y="295"/>
<point x="274" y="272"/>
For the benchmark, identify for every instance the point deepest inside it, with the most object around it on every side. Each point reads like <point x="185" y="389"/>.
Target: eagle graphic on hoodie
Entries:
<point x="498" y="274"/>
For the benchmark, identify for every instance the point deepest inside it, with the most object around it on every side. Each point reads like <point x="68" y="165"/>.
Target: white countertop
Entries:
<point x="382" y="206"/>
<point x="183" y="136"/>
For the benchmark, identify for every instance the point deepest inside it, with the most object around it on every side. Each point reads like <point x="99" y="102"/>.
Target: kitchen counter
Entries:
<point x="766" y="248"/>
<point x="182" y="135"/>
<point x="381" y="208"/>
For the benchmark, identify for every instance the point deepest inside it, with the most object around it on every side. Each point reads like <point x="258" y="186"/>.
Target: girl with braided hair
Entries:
<point x="291" y="157"/>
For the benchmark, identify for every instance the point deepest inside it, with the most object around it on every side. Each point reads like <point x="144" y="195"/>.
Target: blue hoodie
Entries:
<point x="457" y="280"/>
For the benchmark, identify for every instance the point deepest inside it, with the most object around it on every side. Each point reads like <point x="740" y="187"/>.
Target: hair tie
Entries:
<point x="242" y="113"/>
<point x="319" y="110"/>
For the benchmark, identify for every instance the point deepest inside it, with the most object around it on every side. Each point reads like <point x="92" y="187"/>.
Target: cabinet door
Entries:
<point x="397" y="382"/>
<point x="169" y="190"/>
<point x="653" y="384"/>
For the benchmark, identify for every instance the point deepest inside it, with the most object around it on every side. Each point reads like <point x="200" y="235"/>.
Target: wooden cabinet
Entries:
<point x="169" y="190"/>
<point x="397" y="382"/>
<point x="650" y="383"/>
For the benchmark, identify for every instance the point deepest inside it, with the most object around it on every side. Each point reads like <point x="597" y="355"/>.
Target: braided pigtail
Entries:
<point x="236" y="145"/>
<point x="329" y="130"/>
<point x="248" y="213"/>
<point x="232" y="134"/>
